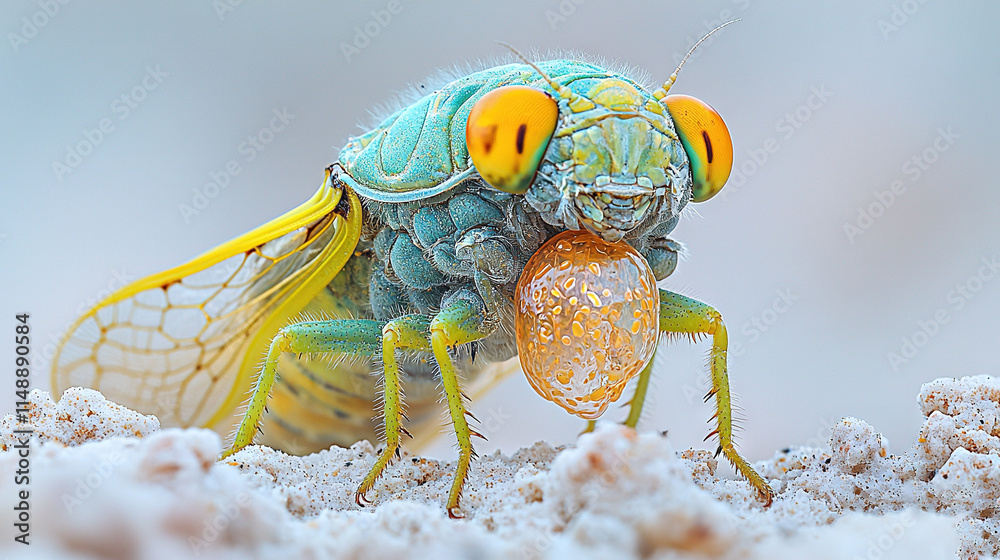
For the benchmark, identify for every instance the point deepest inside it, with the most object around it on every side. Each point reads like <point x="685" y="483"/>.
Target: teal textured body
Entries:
<point x="420" y="150"/>
<point x="614" y="166"/>
<point x="434" y="231"/>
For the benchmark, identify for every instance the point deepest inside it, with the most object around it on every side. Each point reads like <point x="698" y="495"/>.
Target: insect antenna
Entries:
<point x="576" y="102"/>
<point x="661" y="91"/>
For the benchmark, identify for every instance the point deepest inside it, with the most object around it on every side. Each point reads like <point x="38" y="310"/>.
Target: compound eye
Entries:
<point x="507" y="133"/>
<point x="706" y="141"/>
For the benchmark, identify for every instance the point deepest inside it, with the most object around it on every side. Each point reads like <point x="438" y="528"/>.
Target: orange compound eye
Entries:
<point x="507" y="133"/>
<point x="707" y="142"/>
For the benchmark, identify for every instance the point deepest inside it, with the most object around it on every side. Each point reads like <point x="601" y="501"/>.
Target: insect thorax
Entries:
<point x="425" y="249"/>
<point x="424" y="252"/>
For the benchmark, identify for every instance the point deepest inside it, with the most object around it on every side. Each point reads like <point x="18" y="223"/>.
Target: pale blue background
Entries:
<point x="781" y="229"/>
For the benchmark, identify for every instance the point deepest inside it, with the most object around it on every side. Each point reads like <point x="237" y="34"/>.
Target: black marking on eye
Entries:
<point x="708" y="144"/>
<point x="520" y="137"/>
<point x="488" y="140"/>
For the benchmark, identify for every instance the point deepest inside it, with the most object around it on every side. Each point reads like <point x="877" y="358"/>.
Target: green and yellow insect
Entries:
<point x="401" y="269"/>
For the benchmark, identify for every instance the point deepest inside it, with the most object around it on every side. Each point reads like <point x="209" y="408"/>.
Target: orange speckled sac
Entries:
<point x="586" y="322"/>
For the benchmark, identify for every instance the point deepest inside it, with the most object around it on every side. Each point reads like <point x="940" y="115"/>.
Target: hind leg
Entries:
<point x="357" y="337"/>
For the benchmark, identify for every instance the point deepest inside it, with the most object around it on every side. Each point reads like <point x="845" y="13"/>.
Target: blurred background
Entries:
<point x="855" y="253"/>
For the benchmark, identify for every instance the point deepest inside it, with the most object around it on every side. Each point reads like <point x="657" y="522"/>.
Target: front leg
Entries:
<point x="488" y="255"/>
<point x="461" y="320"/>
<point x="680" y="315"/>
<point x="638" y="398"/>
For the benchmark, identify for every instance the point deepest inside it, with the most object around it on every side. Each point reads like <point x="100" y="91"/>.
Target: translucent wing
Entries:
<point x="185" y="344"/>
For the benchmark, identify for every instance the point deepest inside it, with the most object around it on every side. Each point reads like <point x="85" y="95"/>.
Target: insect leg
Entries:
<point x="359" y="337"/>
<point x="680" y="315"/>
<point x="409" y="332"/>
<point x="635" y="407"/>
<point x="461" y="320"/>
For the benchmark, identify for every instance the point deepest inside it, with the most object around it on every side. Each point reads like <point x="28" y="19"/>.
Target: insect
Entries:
<point x="400" y="271"/>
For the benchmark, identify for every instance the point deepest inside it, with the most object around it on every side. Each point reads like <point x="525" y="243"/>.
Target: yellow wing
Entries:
<point x="185" y="344"/>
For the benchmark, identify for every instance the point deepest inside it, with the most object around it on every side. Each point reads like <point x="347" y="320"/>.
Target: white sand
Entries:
<point x="107" y="483"/>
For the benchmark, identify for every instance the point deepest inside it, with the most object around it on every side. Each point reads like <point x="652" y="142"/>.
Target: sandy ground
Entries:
<point x="107" y="482"/>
